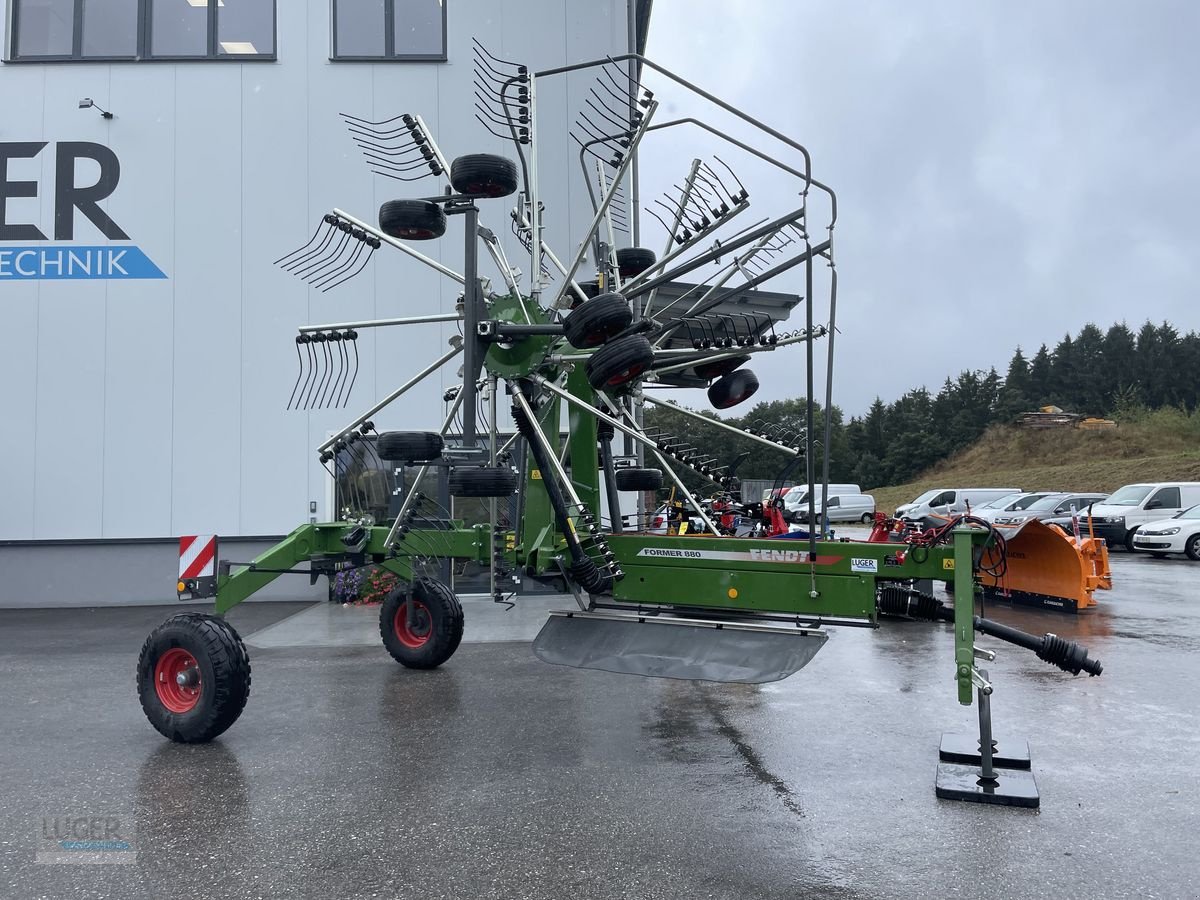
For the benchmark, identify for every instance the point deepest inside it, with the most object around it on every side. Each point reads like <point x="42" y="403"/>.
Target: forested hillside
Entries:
<point x="1117" y="373"/>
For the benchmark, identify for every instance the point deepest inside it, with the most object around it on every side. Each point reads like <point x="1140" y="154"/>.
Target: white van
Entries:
<point x="950" y="502"/>
<point x="842" y="508"/>
<point x="1118" y="517"/>
<point x="796" y="500"/>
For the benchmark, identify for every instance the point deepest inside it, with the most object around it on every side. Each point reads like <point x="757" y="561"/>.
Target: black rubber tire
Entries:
<point x="439" y="621"/>
<point x="633" y="261"/>
<point x="412" y="220"/>
<point x="483" y="175"/>
<point x="718" y="367"/>
<point x="597" y="321"/>
<point x="867" y="518"/>
<point x="639" y="479"/>
<point x="732" y="389"/>
<point x="485" y="482"/>
<point x="619" y="362"/>
<point x="1129" y="548"/>
<point x="409" y="446"/>
<point x="224" y="667"/>
<point x="1192" y="548"/>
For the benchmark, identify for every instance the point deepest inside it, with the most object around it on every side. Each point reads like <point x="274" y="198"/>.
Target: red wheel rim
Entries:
<point x="417" y="234"/>
<point x="177" y="680"/>
<point x="421" y="631"/>
<point x="627" y="375"/>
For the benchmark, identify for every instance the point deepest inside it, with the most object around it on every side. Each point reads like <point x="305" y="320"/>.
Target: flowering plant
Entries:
<point x="369" y="584"/>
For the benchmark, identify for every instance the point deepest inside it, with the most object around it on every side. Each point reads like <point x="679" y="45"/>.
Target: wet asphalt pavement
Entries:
<point x="499" y="776"/>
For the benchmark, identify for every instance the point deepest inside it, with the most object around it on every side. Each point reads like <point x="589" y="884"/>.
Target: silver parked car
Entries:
<point x="1053" y="508"/>
<point x="1008" y="504"/>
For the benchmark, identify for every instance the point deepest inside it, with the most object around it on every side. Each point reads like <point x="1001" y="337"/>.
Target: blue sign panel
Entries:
<point x="57" y="261"/>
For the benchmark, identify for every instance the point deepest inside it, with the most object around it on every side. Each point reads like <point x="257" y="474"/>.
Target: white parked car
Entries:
<point x="1178" y="534"/>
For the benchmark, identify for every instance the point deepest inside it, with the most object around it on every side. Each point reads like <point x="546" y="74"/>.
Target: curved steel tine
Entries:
<point x="316" y="370"/>
<point x="733" y="175"/>
<point x="389" y="134"/>
<point x="384" y="147"/>
<point x="319" y="281"/>
<point x="328" y="367"/>
<point x="362" y="265"/>
<point x="335" y="369"/>
<point x="324" y="260"/>
<point x="606" y="114"/>
<point x="354" y="373"/>
<point x="404" y="165"/>
<point x="300" y="339"/>
<point x="369" y="122"/>
<point x="504" y="62"/>
<point x="291" y="266"/>
<point x="311" y="240"/>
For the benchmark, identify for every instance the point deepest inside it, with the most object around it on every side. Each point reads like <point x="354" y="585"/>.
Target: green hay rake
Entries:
<point x="722" y="605"/>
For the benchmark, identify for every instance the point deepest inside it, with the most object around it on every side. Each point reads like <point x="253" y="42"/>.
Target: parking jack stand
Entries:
<point x="987" y="770"/>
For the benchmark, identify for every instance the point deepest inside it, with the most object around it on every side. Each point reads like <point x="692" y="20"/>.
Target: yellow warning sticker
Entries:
<point x="947" y="563"/>
<point x="535" y="474"/>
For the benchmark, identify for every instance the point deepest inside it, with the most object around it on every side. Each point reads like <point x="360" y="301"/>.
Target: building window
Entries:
<point x="59" y="30"/>
<point x="389" y="29"/>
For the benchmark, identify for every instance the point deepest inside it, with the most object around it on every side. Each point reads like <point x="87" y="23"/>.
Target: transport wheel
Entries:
<point x="597" y="321"/>
<point x="1129" y="548"/>
<point x="718" y="367"/>
<point x="193" y="677"/>
<point x="1192" y="547"/>
<point x="867" y="518"/>
<point x="639" y="479"/>
<point x="483" y="175"/>
<point x="436" y="628"/>
<point x="732" y="389"/>
<point x="485" y="482"/>
<point x="412" y="220"/>
<point x="633" y="261"/>
<point x="619" y="362"/>
<point x="409" y="446"/>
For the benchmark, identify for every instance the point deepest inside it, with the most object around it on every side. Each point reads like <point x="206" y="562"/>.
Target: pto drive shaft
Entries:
<point x="1067" y="655"/>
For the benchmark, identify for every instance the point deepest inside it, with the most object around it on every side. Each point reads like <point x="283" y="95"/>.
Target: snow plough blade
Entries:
<point x="669" y="647"/>
<point x="1047" y="567"/>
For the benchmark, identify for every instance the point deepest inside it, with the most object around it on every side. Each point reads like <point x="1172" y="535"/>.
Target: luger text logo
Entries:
<point x="26" y="252"/>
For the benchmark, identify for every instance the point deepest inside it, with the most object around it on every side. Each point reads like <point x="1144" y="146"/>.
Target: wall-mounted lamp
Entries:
<point x="88" y="103"/>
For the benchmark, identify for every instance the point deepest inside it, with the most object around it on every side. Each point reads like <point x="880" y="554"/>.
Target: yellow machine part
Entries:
<point x="1046" y="564"/>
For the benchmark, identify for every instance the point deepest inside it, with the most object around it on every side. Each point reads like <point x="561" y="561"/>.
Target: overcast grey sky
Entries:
<point x="1006" y="171"/>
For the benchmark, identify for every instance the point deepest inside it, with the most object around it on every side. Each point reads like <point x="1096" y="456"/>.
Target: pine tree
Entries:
<point x="1118" y="367"/>
<point x="1088" y="389"/>
<point x="1039" y="377"/>
<point x="1014" y="394"/>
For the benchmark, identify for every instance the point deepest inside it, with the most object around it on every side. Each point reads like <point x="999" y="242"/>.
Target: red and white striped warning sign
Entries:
<point x="197" y="556"/>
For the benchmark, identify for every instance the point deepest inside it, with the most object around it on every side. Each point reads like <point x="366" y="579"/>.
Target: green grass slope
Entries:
<point x="1151" y="446"/>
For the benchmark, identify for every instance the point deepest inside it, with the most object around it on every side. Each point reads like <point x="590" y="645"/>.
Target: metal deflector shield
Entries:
<point x="669" y="647"/>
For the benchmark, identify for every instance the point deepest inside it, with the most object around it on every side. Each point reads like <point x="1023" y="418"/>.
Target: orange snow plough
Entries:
<point x="1045" y="566"/>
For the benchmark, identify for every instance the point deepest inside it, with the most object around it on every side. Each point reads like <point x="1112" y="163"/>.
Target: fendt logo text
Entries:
<point x="26" y="251"/>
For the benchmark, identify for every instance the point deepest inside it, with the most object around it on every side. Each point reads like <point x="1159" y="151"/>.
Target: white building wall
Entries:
<point x="154" y="408"/>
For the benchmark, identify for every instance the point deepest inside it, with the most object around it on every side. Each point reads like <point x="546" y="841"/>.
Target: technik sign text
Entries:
<point x="27" y="253"/>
